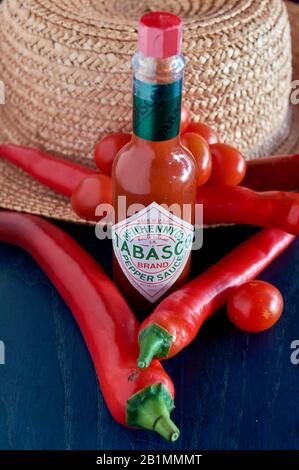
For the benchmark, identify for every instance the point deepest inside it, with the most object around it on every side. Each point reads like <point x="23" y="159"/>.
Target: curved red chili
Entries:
<point x="61" y="175"/>
<point x="238" y="205"/>
<point x="139" y="399"/>
<point x="176" y="321"/>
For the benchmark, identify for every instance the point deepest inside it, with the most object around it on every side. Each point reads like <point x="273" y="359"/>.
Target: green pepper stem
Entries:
<point x="150" y="409"/>
<point x="166" y="428"/>
<point x="154" y="341"/>
<point x="150" y="346"/>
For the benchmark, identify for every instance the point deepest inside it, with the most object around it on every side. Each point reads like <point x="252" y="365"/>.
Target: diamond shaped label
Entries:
<point x="152" y="247"/>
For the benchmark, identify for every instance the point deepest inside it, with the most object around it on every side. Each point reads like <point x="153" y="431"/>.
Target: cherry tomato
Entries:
<point x="229" y="165"/>
<point x="255" y="306"/>
<point x="92" y="191"/>
<point x="107" y="149"/>
<point x="205" y="131"/>
<point x="201" y="152"/>
<point x="185" y="119"/>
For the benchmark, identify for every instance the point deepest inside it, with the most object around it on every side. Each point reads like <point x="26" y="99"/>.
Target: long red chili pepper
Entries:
<point x="61" y="175"/>
<point x="279" y="173"/>
<point x="176" y="321"/>
<point x="238" y="205"/>
<point x="135" y="398"/>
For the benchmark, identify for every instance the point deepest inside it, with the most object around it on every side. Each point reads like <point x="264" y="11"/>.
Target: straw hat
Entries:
<point x="66" y="69"/>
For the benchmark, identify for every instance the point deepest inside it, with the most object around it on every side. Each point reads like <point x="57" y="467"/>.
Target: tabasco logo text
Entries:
<point x="152" y="248"/>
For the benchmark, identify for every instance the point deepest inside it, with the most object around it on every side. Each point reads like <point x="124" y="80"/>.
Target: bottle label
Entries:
<point x="157" y="110"/>
<point x="152" y="247"/>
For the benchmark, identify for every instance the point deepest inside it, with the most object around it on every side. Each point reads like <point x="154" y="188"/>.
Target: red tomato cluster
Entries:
<point x="218" y="164"/>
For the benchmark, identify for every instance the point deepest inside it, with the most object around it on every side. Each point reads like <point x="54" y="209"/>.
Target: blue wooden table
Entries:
<point x="234" y="390"/>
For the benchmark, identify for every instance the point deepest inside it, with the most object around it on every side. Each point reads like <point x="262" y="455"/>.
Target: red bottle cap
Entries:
<point x="160" y="34"/>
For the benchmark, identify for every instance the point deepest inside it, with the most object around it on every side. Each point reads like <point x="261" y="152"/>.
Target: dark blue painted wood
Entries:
<point x="234" y="390"/>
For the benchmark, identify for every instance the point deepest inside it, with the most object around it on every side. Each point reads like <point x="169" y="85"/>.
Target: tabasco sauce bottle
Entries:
<point x="154" y="177"/>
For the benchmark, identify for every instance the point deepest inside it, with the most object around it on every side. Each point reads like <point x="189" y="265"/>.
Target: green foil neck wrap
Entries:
<point x="157" y="110"/>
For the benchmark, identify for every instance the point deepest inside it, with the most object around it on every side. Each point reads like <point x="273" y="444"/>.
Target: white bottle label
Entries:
<point x="152" y="247"/>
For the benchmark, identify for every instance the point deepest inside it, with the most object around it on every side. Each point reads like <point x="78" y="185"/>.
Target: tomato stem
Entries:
<point x="150" y="409"/>
<point x="154" y="341"/>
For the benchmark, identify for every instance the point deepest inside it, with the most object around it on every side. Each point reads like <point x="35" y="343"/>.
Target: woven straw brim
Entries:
<point x="20" y="192"/>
